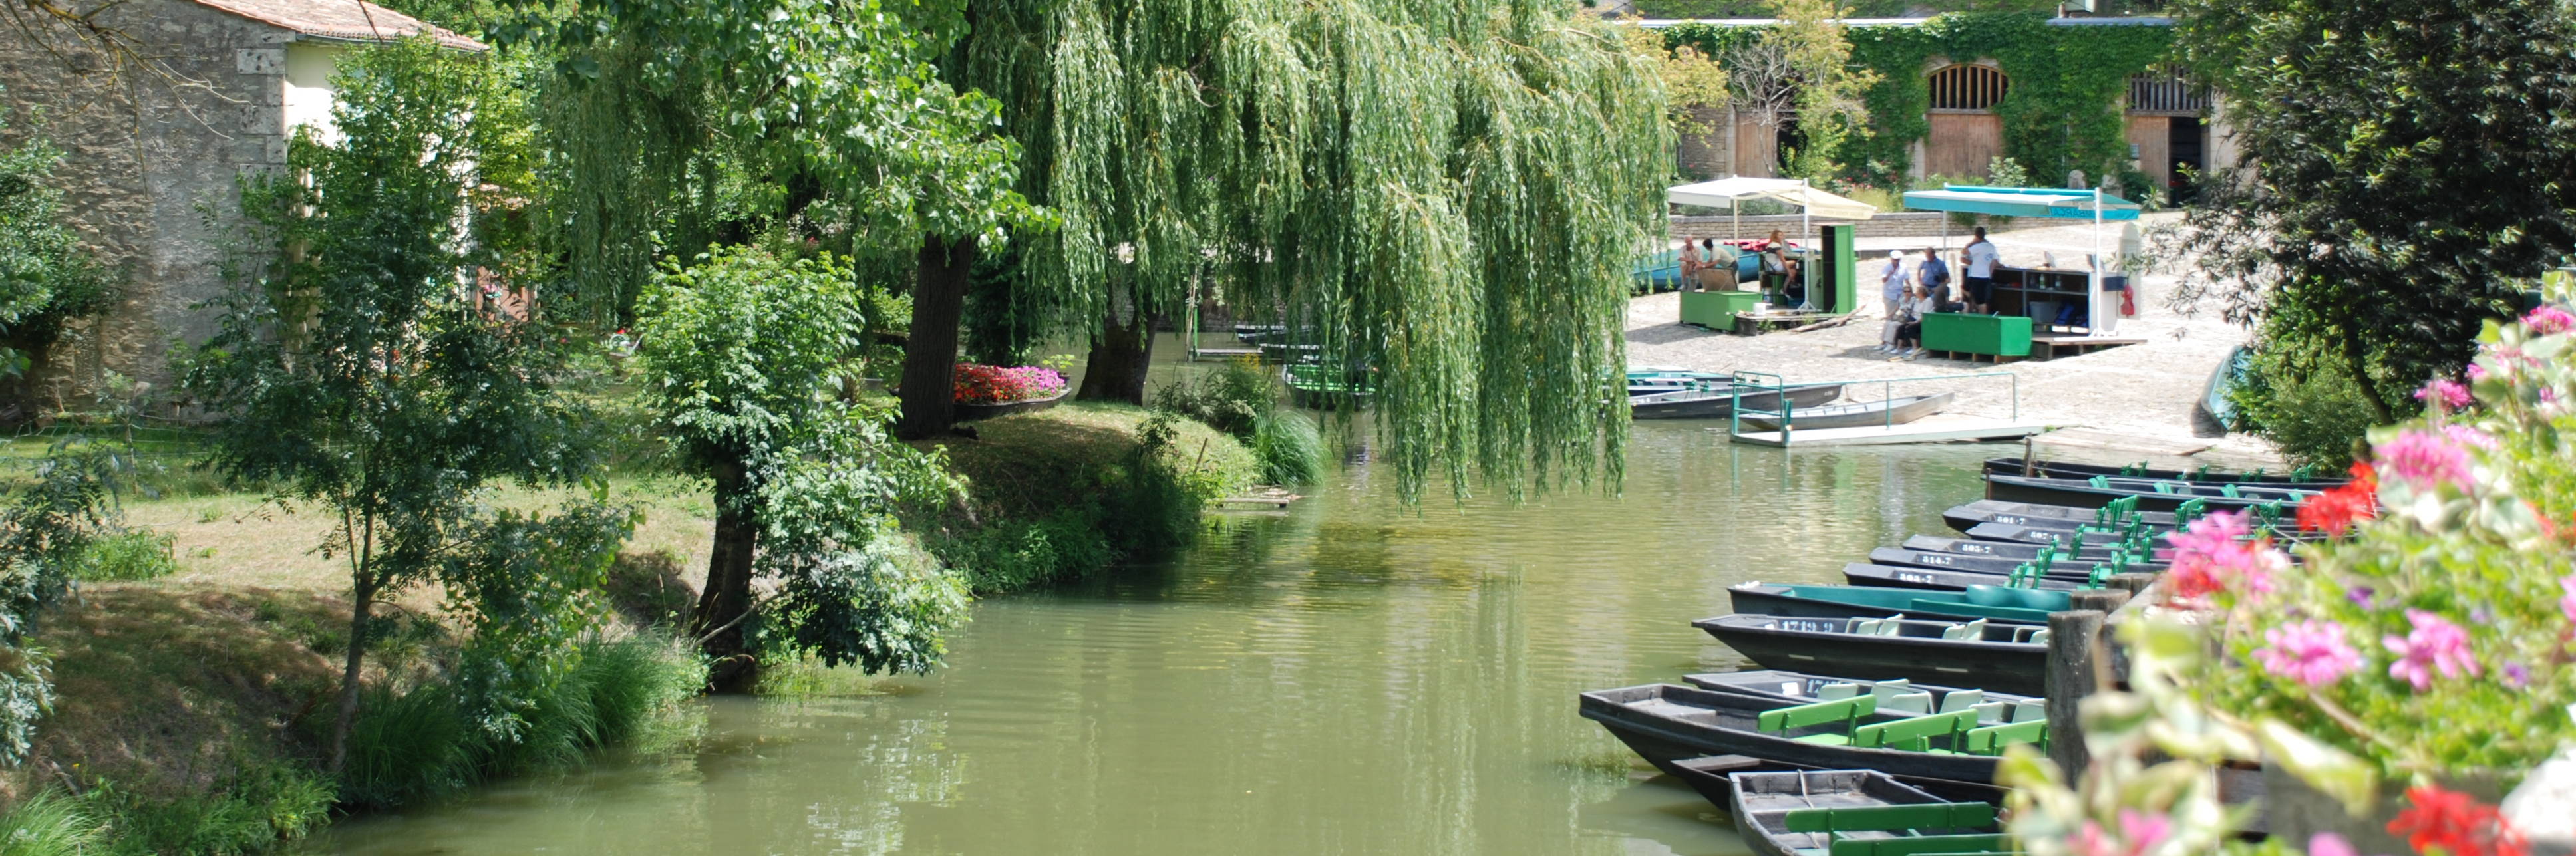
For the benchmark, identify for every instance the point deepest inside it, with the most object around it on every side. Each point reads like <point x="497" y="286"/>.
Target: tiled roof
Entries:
<point x="353" y="20"/>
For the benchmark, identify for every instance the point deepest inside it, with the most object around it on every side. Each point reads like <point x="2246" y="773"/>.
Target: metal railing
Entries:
<point x="1749" y="383"/>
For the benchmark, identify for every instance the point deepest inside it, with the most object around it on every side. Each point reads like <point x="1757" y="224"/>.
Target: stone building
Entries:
<point x="159" y="109"/>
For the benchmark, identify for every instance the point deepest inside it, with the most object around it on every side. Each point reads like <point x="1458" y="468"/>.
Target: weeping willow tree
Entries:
<point x="1447" y="194"/>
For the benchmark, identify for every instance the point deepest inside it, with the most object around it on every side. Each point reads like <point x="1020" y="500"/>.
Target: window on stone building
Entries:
<point x="1968" y="87"/>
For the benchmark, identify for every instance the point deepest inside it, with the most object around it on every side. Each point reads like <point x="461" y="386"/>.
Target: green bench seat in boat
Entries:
<point x="1890" y="818"/>
<point x="1914" y="733"/>
<point x="1991" y="740"/>
<point x="1922" y="845"/>
<point x="1963" y="607"/>
<point x="2043" y="600"/>
<point x="1847" y="711"/>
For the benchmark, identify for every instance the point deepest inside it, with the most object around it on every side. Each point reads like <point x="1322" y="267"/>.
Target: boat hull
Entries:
<point x="1759" y="599"/>
<point x="1683" y="404"/>
<point x="1896" y="411"/>
<point x="1930" y="580"/>
<point x="1666" y="724"/>
<point x="2018" y="669"/>
<point x="2072" y="470"/>
<point x="2080" y="495"/>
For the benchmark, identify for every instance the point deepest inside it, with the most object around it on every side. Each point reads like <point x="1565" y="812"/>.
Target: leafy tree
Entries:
<point x="2400" y="175"/>
<point x="357" y="375"/>
<point x="46" y="278"/>
<point x="745" y="355"/>
<point x="1405" y="181"/>
<point x="1812" y="44"/>
<point x="1693" y="80"/>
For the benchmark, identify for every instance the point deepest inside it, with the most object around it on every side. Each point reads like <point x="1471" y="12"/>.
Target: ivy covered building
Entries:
<point x="1955" y="91"/>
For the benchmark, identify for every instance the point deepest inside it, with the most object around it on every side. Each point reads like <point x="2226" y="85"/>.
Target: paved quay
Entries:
<point x="2149" y="390"/>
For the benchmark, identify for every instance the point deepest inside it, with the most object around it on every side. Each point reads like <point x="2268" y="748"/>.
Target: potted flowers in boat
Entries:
<point x="985" y="391"/>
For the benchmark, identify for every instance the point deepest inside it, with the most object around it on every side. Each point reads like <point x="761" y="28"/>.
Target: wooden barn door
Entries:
<point x="1962" y="144"/>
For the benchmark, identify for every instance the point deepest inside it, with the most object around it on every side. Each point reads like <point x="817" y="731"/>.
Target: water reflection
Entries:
<point x="1350" y="677"/>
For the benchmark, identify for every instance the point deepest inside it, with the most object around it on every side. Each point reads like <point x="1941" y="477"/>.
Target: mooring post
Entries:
<point x="2133" y="583"/>
<point x="2074" y="640"/>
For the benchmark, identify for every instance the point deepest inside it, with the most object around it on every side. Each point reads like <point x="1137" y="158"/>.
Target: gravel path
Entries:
<point x="2149" y="390"/>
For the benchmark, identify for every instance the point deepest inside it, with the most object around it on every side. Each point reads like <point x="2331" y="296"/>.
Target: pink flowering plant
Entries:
<point x="2434" y="639"/>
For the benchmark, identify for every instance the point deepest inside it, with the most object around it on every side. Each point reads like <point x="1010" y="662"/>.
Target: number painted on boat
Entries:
<point x="1930" y="559"/>
<point x="1809" y="626"/>
<point x="2007" y="518"/>
<point x="1976" y="548"/>
<point x="1914" y="578"/>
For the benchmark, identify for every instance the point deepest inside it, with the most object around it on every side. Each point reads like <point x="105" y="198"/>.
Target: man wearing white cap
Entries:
<point x="1891" y="292"/>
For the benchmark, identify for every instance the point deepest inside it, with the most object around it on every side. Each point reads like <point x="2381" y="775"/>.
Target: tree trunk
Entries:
<point x="1120" y="355"/>
<point x="363" y="596"/>
<point x="930" y="357"/>
<point x="721" y="606"/>
<point x="2357" y="362"/>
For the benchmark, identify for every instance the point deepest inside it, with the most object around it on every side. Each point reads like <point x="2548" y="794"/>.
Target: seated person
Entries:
<point x="1718" y="272"/>
<point x="1909" y="322"/>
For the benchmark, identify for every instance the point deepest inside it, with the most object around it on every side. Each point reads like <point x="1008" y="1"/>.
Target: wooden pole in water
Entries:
<point x="2074" y="649"/>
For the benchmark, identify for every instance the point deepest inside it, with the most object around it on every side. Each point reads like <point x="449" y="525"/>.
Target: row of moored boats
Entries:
<point x="1883" y="707"/>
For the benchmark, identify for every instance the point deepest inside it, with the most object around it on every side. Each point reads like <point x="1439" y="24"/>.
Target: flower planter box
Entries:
<point x="968" y="412"/>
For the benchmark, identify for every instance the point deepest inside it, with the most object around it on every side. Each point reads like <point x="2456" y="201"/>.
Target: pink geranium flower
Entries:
<point x="2434" y="645"/>
<point x="2424" y="459"/>
<point x="2549" y="320"/>
<point x="2139" y="833"/>
<point x="2567" y="603"/>
<point x="2310" y="652"/>
<point x="2212" y="555"/>
<point x="2443" y="394"/>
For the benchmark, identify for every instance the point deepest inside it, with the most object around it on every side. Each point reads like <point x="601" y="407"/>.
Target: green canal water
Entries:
<point x="1347" y="677"/>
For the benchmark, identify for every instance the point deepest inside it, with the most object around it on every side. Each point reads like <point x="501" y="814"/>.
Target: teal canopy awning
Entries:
<point x="2050" y="202"/>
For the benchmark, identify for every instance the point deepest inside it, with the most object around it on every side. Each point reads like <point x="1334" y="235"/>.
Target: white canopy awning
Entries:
<point x="1724" y="192"/>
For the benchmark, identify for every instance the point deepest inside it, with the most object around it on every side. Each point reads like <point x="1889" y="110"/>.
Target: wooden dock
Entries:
<point x="1937" y="428"/>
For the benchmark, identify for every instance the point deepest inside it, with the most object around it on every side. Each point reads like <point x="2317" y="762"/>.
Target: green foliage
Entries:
<point x="51" y="824"/>
<point x="1015" y="555"/>
<point x="355" y="376"/>
<point x="2305" y="402"/>
<point x="2062" y="112"/>
<point x="2391" y="206"/>
<point x="45" y="276"/>
<point x="260" y="804"/>
<point x="745" y="356"/>
<point x="1399" y="176"/>
<point x="429" y="741"/>
<point x="127" y="556"/>
<point x="1289" y="447"/>
<point x="678" y="128"/>
<point x="1231" y="399"/>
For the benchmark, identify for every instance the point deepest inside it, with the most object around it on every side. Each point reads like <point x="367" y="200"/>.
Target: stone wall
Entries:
<point x="151" y="155"/>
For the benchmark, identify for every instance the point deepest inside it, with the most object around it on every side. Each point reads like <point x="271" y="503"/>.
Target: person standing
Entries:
<point x="1980" y="280"/>
<point x="1891" y="293"/>
<point x="1690" y="264"/>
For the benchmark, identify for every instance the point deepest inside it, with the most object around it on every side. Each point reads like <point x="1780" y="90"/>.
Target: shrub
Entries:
<point x="1289" y="447"/>
<point x="260" y="805"/>
<point x="428" y="740"/>
<point x="126" y="557"/>
<point x="1231" y="399"/>
<point x="51" y="824"/>
<point x="1011" y="555"/>
<point x="2309" y="408"/>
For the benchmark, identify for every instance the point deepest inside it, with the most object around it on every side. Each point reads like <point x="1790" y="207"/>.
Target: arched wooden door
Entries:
<point x="1966" y="135"/>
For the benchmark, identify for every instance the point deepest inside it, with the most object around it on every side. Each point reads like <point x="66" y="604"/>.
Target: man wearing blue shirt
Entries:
<point x="1934" y="274"/>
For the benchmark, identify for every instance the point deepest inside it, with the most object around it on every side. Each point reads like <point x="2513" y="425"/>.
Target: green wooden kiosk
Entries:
<point x="2022" y="295"/>
<point x="1831" y="271"/>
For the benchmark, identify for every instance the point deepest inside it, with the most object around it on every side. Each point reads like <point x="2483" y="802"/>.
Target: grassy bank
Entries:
<point x="1061" y="493"/>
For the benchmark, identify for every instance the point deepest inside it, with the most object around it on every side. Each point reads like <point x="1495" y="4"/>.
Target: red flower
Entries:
<point x="2337" y="509"/>
<point x="982" y="384"/>
<point x="2456" y="823"/>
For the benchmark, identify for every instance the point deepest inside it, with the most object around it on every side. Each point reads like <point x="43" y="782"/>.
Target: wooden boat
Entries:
<point x="2017" y="551"/>
<point x="1708" y="776"/>
<point x="2069" y="568"/>
<point x="1999" y="655"/>
<point x="1666" y="724"/>
<point x="1894" y="411"/>
<point x="1831" y="601"/>
<point x="1960" y="517"/>
<point x="2092" y="544"/>
<point x="1720" y="403"/>
<point x="2083" y="493"/>
<point x="1935" y="580"/>
<point x="2072" y="470"/>
<point x="1847" y="812"/>
<point x="1801" y="688"/>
